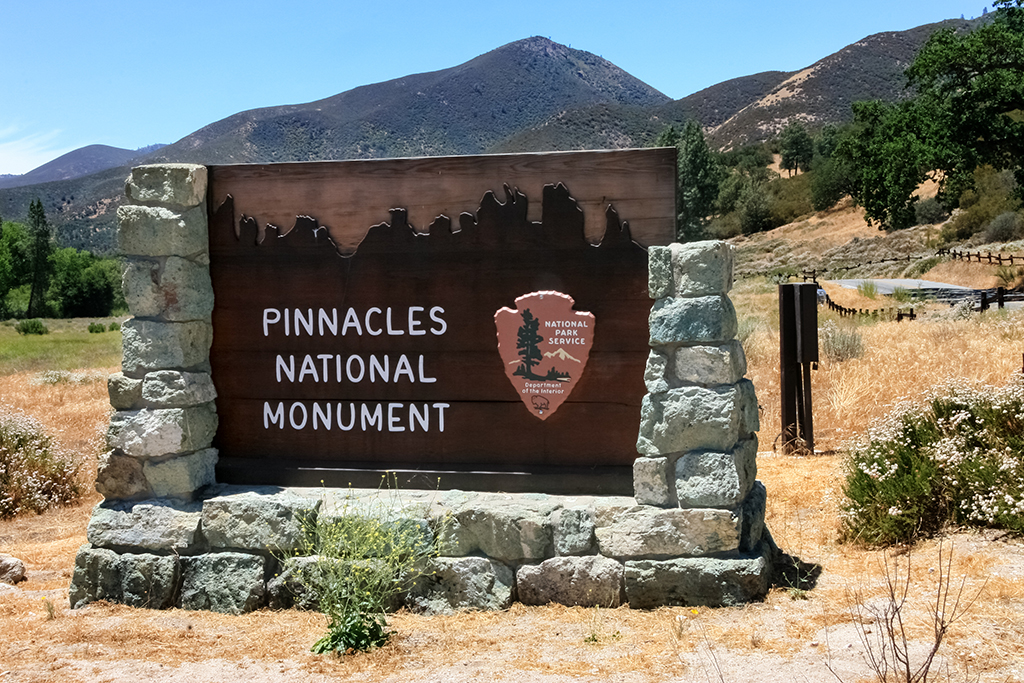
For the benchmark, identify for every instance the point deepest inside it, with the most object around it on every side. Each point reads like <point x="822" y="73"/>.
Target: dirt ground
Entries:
<point x="796" y="634"/>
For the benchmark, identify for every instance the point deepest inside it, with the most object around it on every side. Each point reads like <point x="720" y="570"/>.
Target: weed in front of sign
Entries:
<point x="365" y="556"/>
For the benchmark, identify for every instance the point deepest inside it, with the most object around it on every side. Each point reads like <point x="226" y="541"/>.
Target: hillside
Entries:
<point x="80" y="162"/>
<point x="530" y="95"/>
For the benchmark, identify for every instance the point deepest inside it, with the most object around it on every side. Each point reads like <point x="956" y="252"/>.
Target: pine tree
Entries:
<point x="527" y="344"/>
<point x="40" y="235"/>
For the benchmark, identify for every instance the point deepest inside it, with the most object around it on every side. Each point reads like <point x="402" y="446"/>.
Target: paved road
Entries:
<point x="889" y="285"/>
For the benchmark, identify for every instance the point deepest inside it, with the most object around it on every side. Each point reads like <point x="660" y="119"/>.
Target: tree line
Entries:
<point x="961" y="125"/>
<point x="39" y="279"/>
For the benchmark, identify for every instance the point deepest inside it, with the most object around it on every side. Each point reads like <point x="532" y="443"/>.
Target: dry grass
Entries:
<point x="785" y="637"/>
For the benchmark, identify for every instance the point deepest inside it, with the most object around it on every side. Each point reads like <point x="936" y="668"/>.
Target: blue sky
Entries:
<point x="130" y="74"/>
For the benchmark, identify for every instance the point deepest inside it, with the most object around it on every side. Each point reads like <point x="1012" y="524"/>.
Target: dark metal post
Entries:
<point x="798" y="351"/>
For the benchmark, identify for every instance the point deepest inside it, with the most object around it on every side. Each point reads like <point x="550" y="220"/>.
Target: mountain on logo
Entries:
<point x="561" y="354"/>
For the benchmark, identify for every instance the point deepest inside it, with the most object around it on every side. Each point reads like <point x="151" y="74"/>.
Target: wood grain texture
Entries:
<point x="451" y="280"/>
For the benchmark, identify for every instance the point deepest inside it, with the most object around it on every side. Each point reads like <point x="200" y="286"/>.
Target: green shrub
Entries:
<point x="930" y="211"/>
<point x="34" y="474"/>
<point x="921" y="267"/>
<point x="365" y="556"/>
<point x="115" y="326"/>
<point x="868" y="289"/>
<point x="32" y="326"/>
<point x="97" y="328"/>
<point x="958" y="460"/>
<point x="839" y="343"/>
<point x="1005" y="227"/>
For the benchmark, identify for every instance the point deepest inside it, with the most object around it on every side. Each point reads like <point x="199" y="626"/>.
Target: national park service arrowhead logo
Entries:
<point x="544" y="345"/>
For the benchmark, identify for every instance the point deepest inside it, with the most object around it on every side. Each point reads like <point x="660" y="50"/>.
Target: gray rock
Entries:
<point x="125" y="392"/>
<point x="150" y="433"/>
<point x="120" y="477"/>
<point x="157" y="231"/>
<point x="141" y="580"/>
<point x="702" y="268"/>
<point x="648" y="532"/>
<point x="651" y="482"/>
<point x="753" y="511"/>
<point x="586" y="581"/>
<point x="746" y="400"/>
<point x="697" y="581"/>
<point x="655" y="373"/>
<point x="294" y="585"/>
<point x="690" y="418"/>
<point x="231" y="583"/>
<point x="182" y="185"/>
<point x="172" y="389"/>
<point x="573" y="531"/>
<point x="510" y="533"/>
<point x="156" y="525"/>
<point x="150" y="346"/>
<point x="458" y="584"/>
<point x="700" y="320"/>
<point x="182" y="475"/>
<point x="708" y="479"/>
<point x="709" y="365"/>
<point x="172" y="288"/>
<point x="12" y="570"/>
<point x="258" y="521"/>
<point x="660" y="279"/>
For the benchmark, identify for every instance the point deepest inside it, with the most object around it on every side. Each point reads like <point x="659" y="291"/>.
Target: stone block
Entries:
<point x="176" y="289"/>
<point x="591" y="581"/>
<point x="457" y="584"/>
<point x="289" y="588"/>
<point x="120" y="477"/>
<point x="257" y="520"/>
<point x="709" y="365"/>
<point x="704" y="581"/>
<point x="702" y="268"/>
<point x="150" y="433"/>
<point x="655" y="372"/>
<point x="573" y="531"/>
<point x="174" y="389"/>
<point x="746" y="401"/>
<point x="150" y="345"/>
<point x="155" y="525"/>
<point x="709" y="479"/>
<point x="660" y="278"/>
<point x="700" y="320"/>
<point x="651" y="482"/>
<point x="12" y="570"/>
<point x="649" y="532"/>
<point x="157" y="231"/>
<point x="753" y="511"/>
<point x="691" y="418"/>
<point x="139" y="580"/>
<point x="125" y="392"/>
<point x="230" y="583"/>
<point x="510" y="533"/>
<point x="181" y="185"/>
<point x="183" y="475"/>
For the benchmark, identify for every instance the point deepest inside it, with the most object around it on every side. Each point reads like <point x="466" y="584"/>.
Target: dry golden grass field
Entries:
<point x="795" y="634"/>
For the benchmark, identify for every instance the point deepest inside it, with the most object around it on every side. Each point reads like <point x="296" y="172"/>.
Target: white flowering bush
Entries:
<point x="34" y="473"/>
<point x="959" y="459"/>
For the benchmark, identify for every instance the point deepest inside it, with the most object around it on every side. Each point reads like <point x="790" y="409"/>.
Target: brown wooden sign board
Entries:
<point x="354" y="323"/>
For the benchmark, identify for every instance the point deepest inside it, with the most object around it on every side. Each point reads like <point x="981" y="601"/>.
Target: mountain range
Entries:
<point x="530" y="95"/>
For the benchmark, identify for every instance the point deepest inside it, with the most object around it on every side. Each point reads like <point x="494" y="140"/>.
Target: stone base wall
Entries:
<point x="168" y="536"/>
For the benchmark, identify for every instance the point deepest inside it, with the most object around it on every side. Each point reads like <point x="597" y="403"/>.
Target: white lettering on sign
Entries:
<point x="348" y="416"/>
<point x="339" y="368"/>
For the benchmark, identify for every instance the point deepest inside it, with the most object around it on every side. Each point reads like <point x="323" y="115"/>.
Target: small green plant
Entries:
<point x="35" y="475"/>
<point x="97" y="328"/>
<point x="365" y="557"/>
<point x="921" y="267"/>
<point x="959" y="459"/>
<point x="51" y="613"/>
<point x="114" y="326"/>
<point x="1009" y="276"/>
<point x="31" y="326"/>
<point x="868" y="288"/>
<point x="902" y="295"/>
<point x="840" y="343"/>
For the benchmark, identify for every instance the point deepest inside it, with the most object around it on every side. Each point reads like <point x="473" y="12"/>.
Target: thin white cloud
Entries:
<point x="20" y="153"/>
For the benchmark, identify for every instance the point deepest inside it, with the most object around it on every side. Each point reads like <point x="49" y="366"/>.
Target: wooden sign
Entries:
<point x="354" y="323"/>
<point x="545" y="346"/>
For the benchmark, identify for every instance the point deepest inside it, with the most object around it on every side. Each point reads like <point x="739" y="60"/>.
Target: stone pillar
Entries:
<point x="159" y="438"/>
<point x="697" y="424"/>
